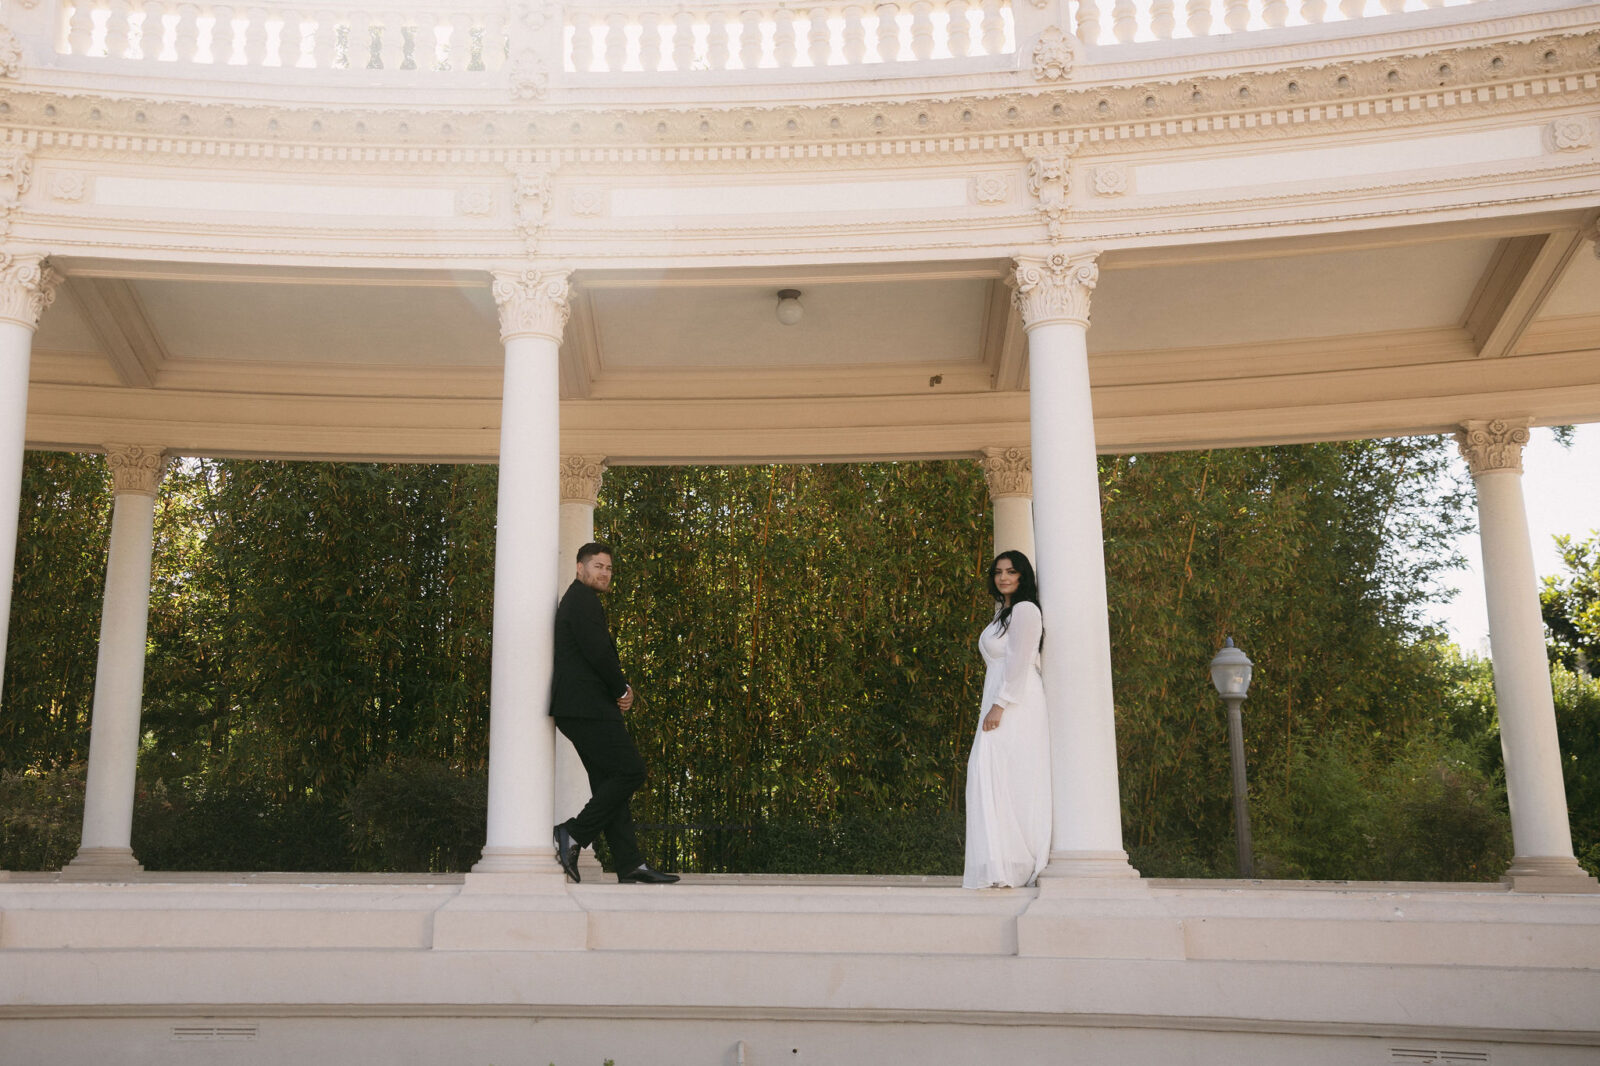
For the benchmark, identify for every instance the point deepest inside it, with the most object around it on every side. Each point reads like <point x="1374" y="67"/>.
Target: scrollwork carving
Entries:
<point x="136" y="468"/>
<point x="532" y="303"/>
<point x="1008" y="471"/>
<point x="1492" y="445"/>
<point x="69" y="186"/>
<point x="580" y="478"/>
<point x="1052" y="55"/>
<point x="1055" y="288"/>
<point x="991" y="188"/>
<point x="1572" y="133"/>
<point x="531" y="195"/>
<point x="27" y="287"/>
<point x="10" y="53"/>
<point x="1050" y="181"/>
<point x="16" y="176"/>
<point x="1111" y="179"/>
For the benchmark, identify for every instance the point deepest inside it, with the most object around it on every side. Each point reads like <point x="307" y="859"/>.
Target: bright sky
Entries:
<point x="1562" y="490"/>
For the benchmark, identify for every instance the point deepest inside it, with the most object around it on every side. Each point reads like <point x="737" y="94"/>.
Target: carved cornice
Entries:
<point x="1050" y="182"/>
<point x="1009" y="472"/>
<point x="27" y="287"/>
<point x="1493" y="445"/>
<point x="1450" y="82"/>
<point x="580" y="478"/>
<point x="136" y="468"/>
<point x="1055" y="288"/>
<point x="532" y="303"/>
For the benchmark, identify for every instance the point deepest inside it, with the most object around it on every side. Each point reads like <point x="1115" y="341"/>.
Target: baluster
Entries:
<point x="922" y="30"/>
<point x="1124" y="20"/>
<point x="1198" y="17"/>
<point x="1275" y="13"/>
<point x="220" y="43"/>
<point x="255" y="37"/>
<point x="1162" y="20"/>
<point x="1236" y="13"/>
<point x="459" y="52"/>
<point x="494" y="48"/>
<point x="855" y="36"/>
<point x="1313" y="11"/>
<point x="358" y="41"/>
<point x="119" y="31"/>
<point x="888" y="33"/>
<point x="959" y="31"/>
<point x="650" y="41"/>
<point x="432" y="53"/>
<point x="292" y="39"/>
<point x="682" y="41"/>
<point x="582" y="43"/>
<point x="819" y="37"/>
<point x="994" y="28"/>
<point x="750" y="39"/>
<point x="783" y="52"/>
<point x="1394" y="7"/>
<point x="717" y="41"/>
<point x="80" y="29"/>
<point x="616" y="41"/>
<point x="186" y="35"/>
<point x="1351" y="9"/>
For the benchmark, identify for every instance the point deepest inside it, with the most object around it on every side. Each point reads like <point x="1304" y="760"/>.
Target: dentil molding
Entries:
<point x="1009" y="472"/>
<point x="1055" y="288"/>
<point x="27" y="287"/>
<point x="1493" y="445"/>
<point x="136" y="468"/>
<point x="532" y="303"/>
<point x="580" y="478"/>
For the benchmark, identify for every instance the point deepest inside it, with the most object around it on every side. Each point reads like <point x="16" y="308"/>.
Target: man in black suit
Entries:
<point x="587" y="699"/>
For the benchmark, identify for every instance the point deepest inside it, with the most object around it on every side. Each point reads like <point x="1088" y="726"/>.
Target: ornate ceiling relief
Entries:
<point x="580" y="478"/>
<point x="532" y="303"/>
<point x="68" y="186"/>
<point x="531" y="21"/>
<point x="1049" y="180"/>
<point x="136" y="468"/>
<point x="1009" y="472"/>
<point x="588" y="201"/>
<point x="531" y="194"/>
<point x="1572" y="133"/>
<point x="1493" y="445"/>
<point x="1110" y="180"/>
<point x="27" y="287"/>
<point x="1055" y="288"/>
<point x="1052" y="55"/>
<point x="990" y="188"/>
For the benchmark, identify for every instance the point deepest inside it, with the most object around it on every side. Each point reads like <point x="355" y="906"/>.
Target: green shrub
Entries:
<point x="41" y="818"/>
<point x="417" y="815"/>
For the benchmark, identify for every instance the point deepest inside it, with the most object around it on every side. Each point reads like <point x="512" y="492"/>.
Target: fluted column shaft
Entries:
<point x="1053" y="294"/>
<point x="1009" y="472"/>
<point x="106" y="846"/>
<point x="1541" y="835"/>
<point x="533" y="313"/>
<point x="27" y="287"/>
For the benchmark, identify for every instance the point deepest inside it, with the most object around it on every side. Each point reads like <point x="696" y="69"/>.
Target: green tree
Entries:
<point x="1570" y="603"/>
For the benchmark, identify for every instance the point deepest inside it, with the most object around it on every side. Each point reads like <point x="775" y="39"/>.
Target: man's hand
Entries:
<point x="626" y="700"/>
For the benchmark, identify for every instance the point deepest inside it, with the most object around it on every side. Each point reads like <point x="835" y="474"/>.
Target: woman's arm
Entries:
<point x="1022" y="642"/>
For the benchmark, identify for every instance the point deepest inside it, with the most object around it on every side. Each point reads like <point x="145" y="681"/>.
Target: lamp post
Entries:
<point x="1230" y="673"/>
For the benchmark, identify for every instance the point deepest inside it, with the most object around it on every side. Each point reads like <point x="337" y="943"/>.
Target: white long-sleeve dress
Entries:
<point x="1008" y="773"/>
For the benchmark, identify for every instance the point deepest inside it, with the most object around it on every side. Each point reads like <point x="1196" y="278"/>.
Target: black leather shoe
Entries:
<point x="567" y="852"/>
<point x="643" y="875"/>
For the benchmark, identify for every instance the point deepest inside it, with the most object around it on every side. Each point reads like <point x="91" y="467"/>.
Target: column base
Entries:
<point x="102" y="864"/>
<point x="1091" y="872"/>
<point x="1548" y="873"/>
<point x="519" y="862"/>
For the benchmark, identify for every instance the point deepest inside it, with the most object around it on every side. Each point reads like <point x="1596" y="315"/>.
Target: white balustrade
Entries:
<point x="444" y="37"/>
<point x="1108" y="22"/>
<point x="713" y="35"/>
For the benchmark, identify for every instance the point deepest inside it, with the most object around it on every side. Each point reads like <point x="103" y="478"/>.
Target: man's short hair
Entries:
<point x="595" y="547"/>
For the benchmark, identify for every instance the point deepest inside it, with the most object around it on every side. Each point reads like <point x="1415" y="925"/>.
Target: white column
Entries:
<point x="27" y="287"/>
<point x="1053" y="293"/>
<point x="580" y="491"/>
<point x="106" y="848"/>
<point x="533" y="313"/>
<point x="1009" y="472"/>
<point x="1541" y="836"/>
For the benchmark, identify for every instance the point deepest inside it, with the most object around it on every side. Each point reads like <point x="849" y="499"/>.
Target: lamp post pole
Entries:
<point x="1230" y="673"/>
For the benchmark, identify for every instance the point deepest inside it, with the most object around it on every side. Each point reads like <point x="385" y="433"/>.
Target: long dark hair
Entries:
<point x="1027" y="587"/>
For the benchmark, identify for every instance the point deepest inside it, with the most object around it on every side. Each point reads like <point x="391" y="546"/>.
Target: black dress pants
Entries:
<point x="616" y="770"/>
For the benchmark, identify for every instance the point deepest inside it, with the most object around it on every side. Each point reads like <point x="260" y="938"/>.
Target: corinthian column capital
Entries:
<point x="1055" y="287"/>
<point x="1009" y="472"/>
<point x="580" y="478"/>
<point x="532" y="303"/>
<point x="1493" y="445"/>
<point x="27" y="287"/>
<point x="136" y="468"/>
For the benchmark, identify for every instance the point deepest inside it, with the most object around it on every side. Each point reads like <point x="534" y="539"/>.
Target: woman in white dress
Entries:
<point x="1008" y="773"/>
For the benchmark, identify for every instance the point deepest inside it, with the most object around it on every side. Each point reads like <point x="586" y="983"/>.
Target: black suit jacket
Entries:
<point x="588" y="676"/>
